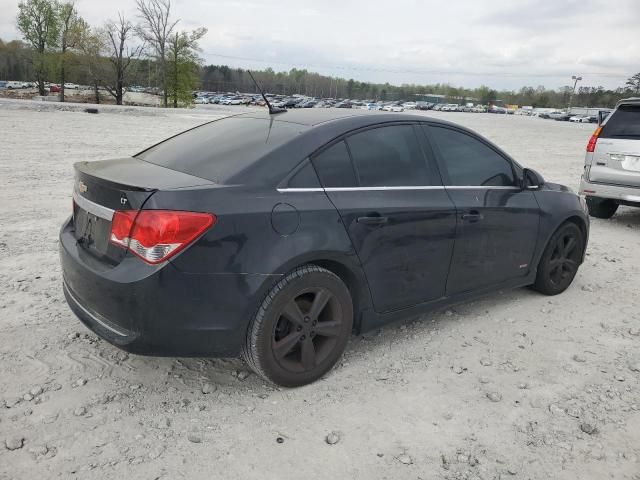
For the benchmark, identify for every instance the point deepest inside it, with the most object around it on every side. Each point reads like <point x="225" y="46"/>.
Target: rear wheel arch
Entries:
<point x="343" y="267"/>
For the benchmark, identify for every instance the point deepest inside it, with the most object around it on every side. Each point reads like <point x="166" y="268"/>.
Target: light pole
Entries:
<point x="575" y="82"/>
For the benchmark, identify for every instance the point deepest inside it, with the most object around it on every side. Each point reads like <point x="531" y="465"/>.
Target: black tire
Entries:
<point x="560" y="260"/>
<point x="301" y="329"/>
<point x="601" y="207"/>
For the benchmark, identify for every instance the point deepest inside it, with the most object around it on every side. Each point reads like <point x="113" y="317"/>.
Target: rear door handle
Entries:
<point x="374" y="220"/>
<point x="473" y="216"/>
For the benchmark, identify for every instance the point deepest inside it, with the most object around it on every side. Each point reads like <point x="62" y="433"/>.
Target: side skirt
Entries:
<point x="371" y="319"/>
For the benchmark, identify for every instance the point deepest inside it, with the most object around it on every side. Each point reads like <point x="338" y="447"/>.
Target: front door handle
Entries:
<point x="473" y="216"/>
<point x="373" y="220"/>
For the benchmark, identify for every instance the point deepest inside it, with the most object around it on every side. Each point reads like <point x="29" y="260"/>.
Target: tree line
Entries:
<point x="59" y="44"/>
<point x="150" y="50"/>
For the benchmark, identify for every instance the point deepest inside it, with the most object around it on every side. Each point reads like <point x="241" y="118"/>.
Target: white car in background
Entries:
<point x="577" y="118"/>
<point x="71" y="86"/>
<point x="612" y="164"/>
<point x="393" y="108"/>
<point x="409" y="105"/>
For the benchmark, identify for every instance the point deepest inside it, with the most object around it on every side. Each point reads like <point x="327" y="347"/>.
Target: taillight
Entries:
<point x="591" y="146"/>
<point x="156" y="235"/>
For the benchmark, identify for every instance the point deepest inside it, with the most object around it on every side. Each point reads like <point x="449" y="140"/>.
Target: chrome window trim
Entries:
<point x="92" y="207"/>
<point x="417" y="187"/>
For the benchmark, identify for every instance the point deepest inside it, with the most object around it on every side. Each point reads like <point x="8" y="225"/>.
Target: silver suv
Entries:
<point x="612" y="165"/>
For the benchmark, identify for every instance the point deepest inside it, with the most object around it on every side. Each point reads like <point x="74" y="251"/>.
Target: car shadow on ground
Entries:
<point x="232" y="375"/>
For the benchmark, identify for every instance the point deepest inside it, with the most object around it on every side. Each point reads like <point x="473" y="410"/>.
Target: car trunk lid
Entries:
<point x="103" y="187"/>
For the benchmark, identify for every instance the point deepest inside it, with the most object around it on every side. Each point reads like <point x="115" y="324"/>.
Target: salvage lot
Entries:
<point x="516" y="385"/>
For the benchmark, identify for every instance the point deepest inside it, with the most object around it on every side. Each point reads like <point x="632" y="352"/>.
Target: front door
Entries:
<point x="497" y="221"/>
<point x="398" y="215"/>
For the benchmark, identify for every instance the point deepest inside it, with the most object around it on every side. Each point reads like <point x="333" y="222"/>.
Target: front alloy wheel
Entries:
<point x="560" y="260"/>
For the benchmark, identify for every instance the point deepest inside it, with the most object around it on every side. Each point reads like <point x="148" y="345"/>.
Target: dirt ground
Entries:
<point x="516" y="385"/>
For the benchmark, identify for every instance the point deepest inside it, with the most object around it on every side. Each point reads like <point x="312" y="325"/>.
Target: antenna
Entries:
<point x="272" y="110"/>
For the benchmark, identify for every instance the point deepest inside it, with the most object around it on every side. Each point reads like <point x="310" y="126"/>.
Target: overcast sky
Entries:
<point x="500" y="43"/>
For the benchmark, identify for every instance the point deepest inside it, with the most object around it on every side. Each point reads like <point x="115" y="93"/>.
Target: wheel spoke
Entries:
<point x="292" y="313"/>
<point x="282" y="347"/>
<point x="569" y="246"/>
<point x="319" y="302"/>
<point x="308" y="354"/>
<point x="328" y="329"/>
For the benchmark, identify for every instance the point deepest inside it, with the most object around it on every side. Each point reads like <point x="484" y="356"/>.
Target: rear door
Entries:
<point x="393" y="205"/>
<point x="497" y="221"/>
<point x="616" y="159"/>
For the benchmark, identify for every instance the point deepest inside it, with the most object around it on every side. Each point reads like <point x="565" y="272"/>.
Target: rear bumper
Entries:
<point x="160" y="310"/>
<point x="614" y="192"/>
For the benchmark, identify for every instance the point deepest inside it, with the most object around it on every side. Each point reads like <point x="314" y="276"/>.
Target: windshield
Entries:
<point x="219" y="150"/>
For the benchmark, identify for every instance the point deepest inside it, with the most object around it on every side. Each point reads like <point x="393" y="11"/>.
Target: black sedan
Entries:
<point x="276" y="237"/>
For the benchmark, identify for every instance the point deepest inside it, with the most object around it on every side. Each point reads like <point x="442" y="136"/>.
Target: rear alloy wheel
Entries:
<point x="301" y="329"/>
<point x="601" y="207"/>
<point x="560" y="260"/>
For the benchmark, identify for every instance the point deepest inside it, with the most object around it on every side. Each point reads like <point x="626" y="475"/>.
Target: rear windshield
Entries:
<point x="624" y="123"/>
<point x="222" y="149"/>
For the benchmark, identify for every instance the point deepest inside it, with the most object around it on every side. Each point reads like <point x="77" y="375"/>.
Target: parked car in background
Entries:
<point x="577" y="118"/>
<point x="3" y="84"/>
<point x="276" y="237"/>
<point x="54" y="88"/>
<point x="393" y="108"/>
<point x="560" y="116"/>
<point x="589" y="119"/>
<point x="13" y="85"/>
<point x="201" y="100"/>
<point x="611" y="174"/>
<point x="71" y="86"/>
<point x="498" y="110"/>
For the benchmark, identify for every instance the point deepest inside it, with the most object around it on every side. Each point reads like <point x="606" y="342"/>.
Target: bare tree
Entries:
<point x="155" y="30"/>
<point x="633" y="83"/>
<point x="120" y="54"/>
<point x="72" y="28"/>
<point x="38" y="22"/>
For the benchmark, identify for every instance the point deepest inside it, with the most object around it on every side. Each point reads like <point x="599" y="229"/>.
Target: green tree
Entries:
<point x="72" y="30"/>
<point x="37" y="20"/>
<point x="156" y="29"/>
<point x="183" y="65"/>
<point x="92" y="46"/>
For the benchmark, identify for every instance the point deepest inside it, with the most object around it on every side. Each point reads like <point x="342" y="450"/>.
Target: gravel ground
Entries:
<point x="516" y="385"/>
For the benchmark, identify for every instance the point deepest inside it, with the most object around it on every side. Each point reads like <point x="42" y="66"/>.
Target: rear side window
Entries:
<point x="469" y="162"/>
<point x="334" y="167"/>
<point x="305" y="177"/>
<point x="388" y="156"/>
<point x="624" y="123"/>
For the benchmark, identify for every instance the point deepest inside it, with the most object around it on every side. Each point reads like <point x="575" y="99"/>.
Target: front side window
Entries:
<point x="469" y="162"/>
<point x="388" y="156"/>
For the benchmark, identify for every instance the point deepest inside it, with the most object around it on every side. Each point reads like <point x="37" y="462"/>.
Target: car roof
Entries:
<point x="629" y="101"/>
<point x="358" y="117"/>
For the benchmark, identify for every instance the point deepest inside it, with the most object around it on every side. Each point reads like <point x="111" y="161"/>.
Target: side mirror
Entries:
<point x="531" y="180"/>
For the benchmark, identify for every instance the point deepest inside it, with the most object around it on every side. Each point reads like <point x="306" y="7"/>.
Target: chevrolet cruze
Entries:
<point x="274" y="237"/>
